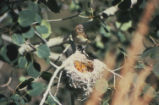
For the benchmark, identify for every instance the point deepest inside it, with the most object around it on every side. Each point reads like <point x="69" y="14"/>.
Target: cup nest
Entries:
<point x="83" y="72"/>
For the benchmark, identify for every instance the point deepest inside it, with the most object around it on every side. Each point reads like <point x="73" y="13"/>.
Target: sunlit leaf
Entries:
<point x="44" y="29"/>
<point x="99" y="43"/>
<point x="126" y="26"/>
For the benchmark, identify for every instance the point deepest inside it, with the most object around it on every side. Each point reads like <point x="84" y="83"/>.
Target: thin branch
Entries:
<point x="7" y="38"/>
<point x="64" y="51"/>
<point x="114" y="73"/>
<point x="61" y="19"/>
<point x="114" y="81"/>
<point x="50" y="84"/>
<point x="8" y="82"/>
<point x="52" y="64"/>
<point x="39" y="36"/>
<point x="58" y="83"/>
<point x="117" y="69"/>
<point x="54" y="98"/>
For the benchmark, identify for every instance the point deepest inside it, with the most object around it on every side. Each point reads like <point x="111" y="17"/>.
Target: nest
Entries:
<point x="83" y="72"/>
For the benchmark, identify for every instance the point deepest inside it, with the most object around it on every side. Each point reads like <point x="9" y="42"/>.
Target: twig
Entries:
<point x="57" y="88"/>
<point x="61" y="19"/>
<point x="153" y="40"/>
<point x="114" y="73"/>
<point x="50" y="84"/>
<point x="52" y="64"/>
<point x="117" y="69"/>
<point x="6" y="38"/>
<point x="114" y="81"/>
<point x="8" y="82"/>
<point x="39" y="36"/>
<point x="54" y="98"/>
<point x="64" y="51"/>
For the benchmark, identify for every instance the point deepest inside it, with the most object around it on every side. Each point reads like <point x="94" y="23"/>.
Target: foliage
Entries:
<point x="34" y="22"/>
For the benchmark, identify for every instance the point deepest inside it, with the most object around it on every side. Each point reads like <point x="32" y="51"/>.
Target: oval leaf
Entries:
<point x="43" y="51"/>
<point x="37" y="88"/>
<point x="29" y="34"/>
<point x="17" y="39"/>
<point x="46" y="28"/>
<point x="32" y="71"/>
<point x="26" y="17"/>
<point x="22" y="62"/>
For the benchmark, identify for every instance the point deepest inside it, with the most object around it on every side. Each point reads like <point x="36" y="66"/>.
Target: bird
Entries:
<point x="80" y="37"/>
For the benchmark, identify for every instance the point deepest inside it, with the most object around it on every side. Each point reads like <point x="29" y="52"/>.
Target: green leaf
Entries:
<point x="7" y="21"/>
<point x="22" y="78"/>
<point x="29" y="34"/>
<point x="43" y="51"/>
<point x="126" y="26"/>
<point x="32" y="71"/>
<point x="37" y="18"/>
<point x="105" y="103"/>
<point x="18" y="99"/>
<point x="118" y="24"/>
<point x="22" y="62"/>
<point x="46" y="75"/>
<point x="45" y="29"/>
<point x="37" y="89"/>
<point x="146" y="88"/>
<point x="1" y="41"/>
<point x="33" y="6"/>
<point x="18" y="39"/>
<point x="74" y="6"/>
<point x="156" y="70"/>
<point x="25" y="82"/>
<point x="50" y="101"/>
<point x="104" y="32"/>
<point x="99" y="43"/>
<point x="3" y="100"/>
<point x="4" y="7"/>
<point x="42" y="29"/>
<point x="151" y="52"/>
<point x="157" y="33"/>
<point x="26" y="17"/>
<point x="121" y="36"/>
<point x="3" y="53"/>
